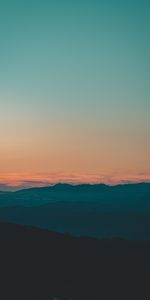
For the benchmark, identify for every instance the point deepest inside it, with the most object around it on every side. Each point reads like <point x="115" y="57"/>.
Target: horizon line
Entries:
<point x="12" y="188"/>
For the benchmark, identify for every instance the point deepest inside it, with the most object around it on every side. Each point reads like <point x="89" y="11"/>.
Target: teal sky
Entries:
<point x="75" y="87"/>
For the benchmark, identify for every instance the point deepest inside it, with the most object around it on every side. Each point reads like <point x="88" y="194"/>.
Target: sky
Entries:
<point x="74" y="91"/>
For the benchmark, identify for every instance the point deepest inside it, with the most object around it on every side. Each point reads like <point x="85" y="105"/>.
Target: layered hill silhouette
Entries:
<point x="39" y="264"/>
<point x="93" y="210"/>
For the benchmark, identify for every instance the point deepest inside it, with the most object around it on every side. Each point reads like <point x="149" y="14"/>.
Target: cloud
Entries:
<point x="15" y="181"/>
<point x="6" y="188"/>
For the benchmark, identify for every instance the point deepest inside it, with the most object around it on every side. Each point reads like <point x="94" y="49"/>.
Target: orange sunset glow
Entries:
<point x="74" y="96"/>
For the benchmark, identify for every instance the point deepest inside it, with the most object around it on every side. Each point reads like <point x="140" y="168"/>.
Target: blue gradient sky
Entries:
<point x="74" y="90"/>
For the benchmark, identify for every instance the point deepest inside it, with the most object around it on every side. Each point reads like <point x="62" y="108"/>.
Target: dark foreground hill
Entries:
<point x="39" y="264"/>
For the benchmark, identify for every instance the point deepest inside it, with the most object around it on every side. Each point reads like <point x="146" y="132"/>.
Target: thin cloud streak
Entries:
<point x="14" y="181"/>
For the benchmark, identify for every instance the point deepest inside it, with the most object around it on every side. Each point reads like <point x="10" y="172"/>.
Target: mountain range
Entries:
<point x="98" y="210"/>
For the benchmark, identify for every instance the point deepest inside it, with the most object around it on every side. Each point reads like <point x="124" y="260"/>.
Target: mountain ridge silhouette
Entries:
<point x="93" y="210"/>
